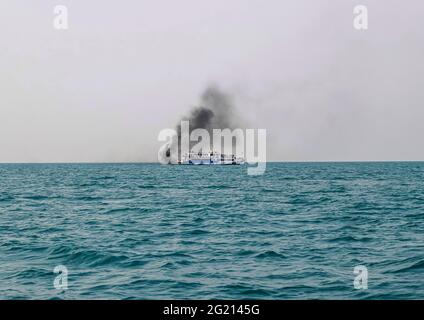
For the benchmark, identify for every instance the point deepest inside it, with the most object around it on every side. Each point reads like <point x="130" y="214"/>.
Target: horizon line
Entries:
<point x="156" y="162"/>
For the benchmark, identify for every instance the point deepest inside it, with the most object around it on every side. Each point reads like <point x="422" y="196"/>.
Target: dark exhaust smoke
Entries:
<point x="215" y="111"/>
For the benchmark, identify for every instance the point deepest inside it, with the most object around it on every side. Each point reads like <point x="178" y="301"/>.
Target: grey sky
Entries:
<point x="102" y="90"/>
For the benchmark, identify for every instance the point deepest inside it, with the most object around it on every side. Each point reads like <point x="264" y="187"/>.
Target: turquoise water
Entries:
<point x="146" y="231"/>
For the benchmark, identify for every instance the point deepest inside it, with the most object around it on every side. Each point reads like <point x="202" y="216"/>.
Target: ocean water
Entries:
<point x="147" y="231"/>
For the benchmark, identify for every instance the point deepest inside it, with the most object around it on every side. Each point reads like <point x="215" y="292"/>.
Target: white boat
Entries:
<point x="210" y="158"/>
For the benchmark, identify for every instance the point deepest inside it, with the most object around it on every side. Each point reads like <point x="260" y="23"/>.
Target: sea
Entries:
<point x="149" y="231"/>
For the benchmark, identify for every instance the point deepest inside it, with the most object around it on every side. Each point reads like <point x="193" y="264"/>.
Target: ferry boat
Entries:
<point x="210" y="158"/>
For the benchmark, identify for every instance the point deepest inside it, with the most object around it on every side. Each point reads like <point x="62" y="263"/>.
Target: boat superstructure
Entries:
<point x="210" y="158"/>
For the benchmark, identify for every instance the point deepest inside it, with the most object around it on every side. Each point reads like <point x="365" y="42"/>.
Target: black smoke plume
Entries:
<point x="215" y="111"/>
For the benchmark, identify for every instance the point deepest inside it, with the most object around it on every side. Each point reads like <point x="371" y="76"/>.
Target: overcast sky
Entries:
<point x="102" y="90"/>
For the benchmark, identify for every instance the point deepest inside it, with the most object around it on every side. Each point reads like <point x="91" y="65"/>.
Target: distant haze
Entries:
<point x="102" y="90"/>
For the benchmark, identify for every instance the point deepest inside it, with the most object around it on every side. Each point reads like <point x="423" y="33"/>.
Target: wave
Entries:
<point x="270" y="255"/>
<point x="416" y="266"/>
